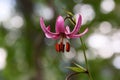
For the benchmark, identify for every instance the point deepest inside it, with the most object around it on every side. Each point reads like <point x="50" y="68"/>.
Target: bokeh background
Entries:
<point x="25" y="53"/>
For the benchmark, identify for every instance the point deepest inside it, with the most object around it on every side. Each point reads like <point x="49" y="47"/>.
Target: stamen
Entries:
<point x="67" y="47"/>
<point x="57" y="47"/>
<point x="62" y="46"/>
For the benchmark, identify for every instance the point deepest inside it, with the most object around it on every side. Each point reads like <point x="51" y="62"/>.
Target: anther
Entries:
<point x="57" y="47"/>
<point x="67" y="47"/>
<point x="62" y="46"/>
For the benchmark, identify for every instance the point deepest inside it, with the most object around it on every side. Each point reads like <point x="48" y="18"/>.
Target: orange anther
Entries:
<point x="57" y="47"/>
<point x="67" y="47"/>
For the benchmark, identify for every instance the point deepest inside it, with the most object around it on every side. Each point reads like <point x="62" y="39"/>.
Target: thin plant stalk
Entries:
<point x="86" y="62"/>
<point x="71" y="75"/>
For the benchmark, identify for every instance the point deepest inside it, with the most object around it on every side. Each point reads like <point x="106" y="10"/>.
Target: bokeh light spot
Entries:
<point x="87" y="12"/>
<point x="6" y="9"/>
<point x="107" y="6"/>
<point x="101" y="45"/>
<point x="116" y="62"/>
<point x="3" y="55"/>
<point x="12" y="37"/>
<point x="14" y="23"/>
<point x="45" y="11"/>
<point x="97" y="40"/>
<point x="116" y="41"/>
<point x="105" y="27"/>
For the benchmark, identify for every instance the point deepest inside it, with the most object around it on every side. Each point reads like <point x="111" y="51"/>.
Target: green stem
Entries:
<point x="70" y="19"/>
<point x="71" y="75"/>
<point x="86" y="62"/>
<point x="84" y="53"/>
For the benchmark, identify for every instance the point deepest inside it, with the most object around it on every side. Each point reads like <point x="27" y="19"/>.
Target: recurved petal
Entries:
<point x="67" y="30"/>
<point x="47" y="30"/>
<point x="47" y="35"/>
<point x="77" y="26"/>
<point x="60" y="25"/>
<point x="51" y="36"/>
<point x="79" y="35"/>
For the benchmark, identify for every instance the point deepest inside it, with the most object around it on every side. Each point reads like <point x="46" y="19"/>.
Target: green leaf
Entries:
<point x="68" y="12"/>
<point x="76" y="69"/>
<point x="79" y="66"/>
<point x="71" y="16"/>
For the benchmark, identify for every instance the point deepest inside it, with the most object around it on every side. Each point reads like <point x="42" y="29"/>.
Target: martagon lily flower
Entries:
<point x="63" y="33"/>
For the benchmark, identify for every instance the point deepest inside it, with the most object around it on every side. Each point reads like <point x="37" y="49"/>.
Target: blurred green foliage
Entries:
<point x="33" y="57"/>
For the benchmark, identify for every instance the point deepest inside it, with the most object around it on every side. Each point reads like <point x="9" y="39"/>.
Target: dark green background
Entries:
<point x="31" y="58"/>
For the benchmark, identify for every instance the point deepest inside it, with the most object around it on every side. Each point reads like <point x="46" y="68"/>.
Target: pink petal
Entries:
<point x="79" y="35"/>
<point x="67" y="29"/>
<point x="53" y="37"/>
<point x="47" y="30"/>
<point x="60" y="25"/>
<point x="77" y="26"/>
<point x="49" y="36"/>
